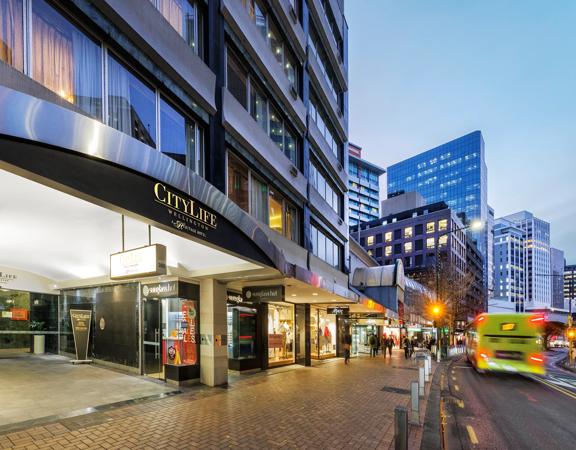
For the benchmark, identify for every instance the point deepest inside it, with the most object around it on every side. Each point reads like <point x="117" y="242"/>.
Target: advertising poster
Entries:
<point x="189" y="317"/>
<point x="81" y="320"/>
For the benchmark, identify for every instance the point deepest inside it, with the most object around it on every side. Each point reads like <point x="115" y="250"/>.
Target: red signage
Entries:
<point x="19" y="314"/>
<point x="189" y="314"/>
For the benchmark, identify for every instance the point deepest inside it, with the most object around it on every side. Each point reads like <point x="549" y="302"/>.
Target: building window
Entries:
<point x="131" y="104"/>
<point x="258" y="106"/>
<point x="12" y="33"/>
<point x="67" y="62"/>
<point x="388" y="236"/>
<point x="388" y="250"/>
<point x="408" y="232"/>
<point x="407" y="247"/>
<point x="430" y="227"/>
<point x="419" y="244"/>
<point x="318" y="116"/>
<point x="180" y="138"/>
<point x="443" y="240"/>
<point x="186" y="18"/>
<point x="236" y="79"/>
<point x="370" y="240"/>
<point x="237" y="183"/>
<point x="397" y="234"/>
<point x="325" y="188"/>
<point x="397" y="249"/>
<point x="442" y="225"/>
<point x="275" y="211"/>
<point x="259" y="200"/>
<point x="430" y="243"/>
<point x="325" y="248"/>
<point x="419" y="229"/>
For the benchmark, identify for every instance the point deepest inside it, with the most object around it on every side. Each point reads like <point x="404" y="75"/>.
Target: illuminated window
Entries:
<point x="443" y="225"/>
<point x="388" y="250"/>
<point x="275" y="211"/>
<point x="408" y="232"/>
<point x="430" y="227"/>
<point x="407" y="247"/>
<point x="388" y="236"/>
<point x="430" y="242"/>
<point x="370" y="240"/>
<point x="442" y="240"/>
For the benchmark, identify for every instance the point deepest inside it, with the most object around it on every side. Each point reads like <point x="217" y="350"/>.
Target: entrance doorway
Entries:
<point x="152" y="339"/>
<point x="360" y="335"/>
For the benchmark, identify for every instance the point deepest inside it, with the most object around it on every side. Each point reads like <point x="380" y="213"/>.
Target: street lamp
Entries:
<point x="475" y="225"/>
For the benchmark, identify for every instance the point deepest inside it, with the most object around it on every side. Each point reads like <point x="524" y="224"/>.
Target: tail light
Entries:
<point x="481" y="319"/>
<point x="537" y="319"/>
<point x="538" y="359"/>
<point x="484" y="354"/>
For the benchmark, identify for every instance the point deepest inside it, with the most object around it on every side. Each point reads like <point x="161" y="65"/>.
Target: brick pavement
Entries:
<point x="327" y="406"/>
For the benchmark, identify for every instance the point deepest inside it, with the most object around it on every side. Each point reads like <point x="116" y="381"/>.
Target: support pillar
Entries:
<point x="213" y="333"/>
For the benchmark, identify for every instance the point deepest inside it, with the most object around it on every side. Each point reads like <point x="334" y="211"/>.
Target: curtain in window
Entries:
<point x="53" y="59"/>
<point x="87" y="75"/>
<point x="259" y="201"/>
<point x="118" y="97"/>
<point x="11" y="33"/>
<point x="173" y="11"/>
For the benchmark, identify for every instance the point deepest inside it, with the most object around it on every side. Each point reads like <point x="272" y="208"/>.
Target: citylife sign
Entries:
<point x="138" y="262"/>
<point x="6" y="278"/>
<point x="187" y="214"/>
<point x="257" y="294"/>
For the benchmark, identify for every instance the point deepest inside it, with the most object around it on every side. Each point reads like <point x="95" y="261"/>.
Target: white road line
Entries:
<point x="472" y="434"/>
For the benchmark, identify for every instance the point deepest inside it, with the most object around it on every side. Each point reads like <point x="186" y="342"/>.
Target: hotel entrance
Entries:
<point x="151" y="338"/>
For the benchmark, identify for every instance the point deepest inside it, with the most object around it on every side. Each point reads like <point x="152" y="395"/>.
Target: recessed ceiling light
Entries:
<point x="293" y="295"/>
<point x="315" y="293"/>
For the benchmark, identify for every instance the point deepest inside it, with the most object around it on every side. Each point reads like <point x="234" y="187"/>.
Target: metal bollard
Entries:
<point x="421" y="381"/>
<point x="400" y="428"/>
<point x="426" y="371"/>
<point x="428" y="363"/>
<point x="415" y="403"/>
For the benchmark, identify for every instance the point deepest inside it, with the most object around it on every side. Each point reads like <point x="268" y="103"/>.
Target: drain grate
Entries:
<point x="395" y="390"/>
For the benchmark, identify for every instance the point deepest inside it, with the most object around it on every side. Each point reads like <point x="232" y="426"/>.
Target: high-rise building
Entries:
<point x="536" y="233"/>
<point x="454" y="173"/>
<point x="217" y="129"/>
<point x="363" y="187"/>
<point x="557" y="263"/>
<point x="489" y="272"/>
<point x="570" y="285"/>
<point x="509" y="264"/>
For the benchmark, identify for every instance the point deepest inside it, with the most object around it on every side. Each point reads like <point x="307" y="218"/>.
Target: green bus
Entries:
<point x="506" y="343"/>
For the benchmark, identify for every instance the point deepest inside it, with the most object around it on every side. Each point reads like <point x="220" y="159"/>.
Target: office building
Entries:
<point x="364" y="187"/>
<point x="557" y="263"/>
<point x="570" y="285"/>
<point x="414" y="236"/>
<point x="537" y="259"/>
<point x="509" y="264"/>
<point x="454" y="173"/>
<point x="216" y="130"/>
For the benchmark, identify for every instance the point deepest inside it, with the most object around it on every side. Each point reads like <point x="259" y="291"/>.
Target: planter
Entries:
<point x="39" y="344"/>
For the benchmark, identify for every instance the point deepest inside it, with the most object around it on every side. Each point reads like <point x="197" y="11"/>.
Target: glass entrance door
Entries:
<point x="152" y="339"/>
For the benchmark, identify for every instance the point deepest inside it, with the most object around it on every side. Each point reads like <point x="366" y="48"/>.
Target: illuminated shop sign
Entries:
<point x="263" y="293"/>
<point x="138" y="262"/>
<point x="338" y="310"/>
<point x="6" y="278"/>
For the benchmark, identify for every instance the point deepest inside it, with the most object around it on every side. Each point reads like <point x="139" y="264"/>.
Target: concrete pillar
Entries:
<point x="213" y="333"/>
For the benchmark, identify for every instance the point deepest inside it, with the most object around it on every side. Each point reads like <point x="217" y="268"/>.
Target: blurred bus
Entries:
<point x="507" y="343"/>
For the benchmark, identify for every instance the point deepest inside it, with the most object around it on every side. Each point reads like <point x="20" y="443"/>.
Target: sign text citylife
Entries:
<point x="187" y="214"/>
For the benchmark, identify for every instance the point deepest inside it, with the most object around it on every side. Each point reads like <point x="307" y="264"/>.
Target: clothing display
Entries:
<point x="322" y="333"/>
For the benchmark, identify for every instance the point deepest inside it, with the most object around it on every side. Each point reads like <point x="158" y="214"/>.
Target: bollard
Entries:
<point x="426" y="371"/>
<point x="428" y="362"/>
<point x="421" y="381"/>
<point x="415" y="402"/>
<point x="400" y="428"/>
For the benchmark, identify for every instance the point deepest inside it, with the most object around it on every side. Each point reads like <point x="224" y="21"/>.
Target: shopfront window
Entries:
<point x="11" y="33"/>
<point x="65" y="60"/>
<point x="131" y="104"/>
<point x="242" y="332"/>
<point x="322" y="333"/>
<point x="237" y="183"/>
<point x="180" y="333"/>
<point x="280" y="333"/>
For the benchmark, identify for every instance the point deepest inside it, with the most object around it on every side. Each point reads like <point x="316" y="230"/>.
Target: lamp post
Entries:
<point x="476" y="225"/>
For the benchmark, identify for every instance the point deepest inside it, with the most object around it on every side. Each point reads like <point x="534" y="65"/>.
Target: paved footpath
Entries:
<point x="330" y="405"/>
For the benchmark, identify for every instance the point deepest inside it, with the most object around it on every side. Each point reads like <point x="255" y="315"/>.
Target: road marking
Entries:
<point x="555" y="387"/>
<point x="453" y="378"/>
<point x="456" y="387"/>
<point x="460" y="403"/>
<point x="472" y="434"/>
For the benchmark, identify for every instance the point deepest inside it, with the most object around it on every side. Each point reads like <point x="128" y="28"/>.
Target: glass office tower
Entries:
<point x="455" y="173"/>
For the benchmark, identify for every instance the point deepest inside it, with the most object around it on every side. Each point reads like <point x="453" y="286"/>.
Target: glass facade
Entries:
<point x="454" y="173"/>
<point x="363" y="191"/>
<point x="322" y="333"/>
<point x="280" y="333"/>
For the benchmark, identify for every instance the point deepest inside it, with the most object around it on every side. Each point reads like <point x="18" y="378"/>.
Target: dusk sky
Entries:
<point x="425" y="72"/>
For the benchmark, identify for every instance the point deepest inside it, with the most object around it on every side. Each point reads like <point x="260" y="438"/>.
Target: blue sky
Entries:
<point x="423" y="72"/>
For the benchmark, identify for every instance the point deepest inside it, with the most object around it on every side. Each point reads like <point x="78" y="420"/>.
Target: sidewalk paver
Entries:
<point x="328" y="406"/>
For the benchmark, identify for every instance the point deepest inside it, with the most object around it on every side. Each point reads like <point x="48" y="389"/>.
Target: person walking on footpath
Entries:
<point x="389" y="345"/>
<point x="347" y="347"/>
<point x="407" y="345"/>
<point x="373" y="342"/>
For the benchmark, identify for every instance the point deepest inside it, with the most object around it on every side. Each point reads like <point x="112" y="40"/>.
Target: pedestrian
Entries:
<point x="373" y="342"/>
<point x="407" y="345"/>
<point x="389" y="345"/>
<point x="414" y="345"/>
<point x="433" y="346"/>
<point x="347" y="347"/>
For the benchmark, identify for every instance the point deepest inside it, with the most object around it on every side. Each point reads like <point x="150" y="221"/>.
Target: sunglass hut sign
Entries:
<point x="186" y="214"/>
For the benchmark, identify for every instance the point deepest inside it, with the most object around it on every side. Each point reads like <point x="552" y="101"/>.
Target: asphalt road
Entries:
<point x="500" y="411"/>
